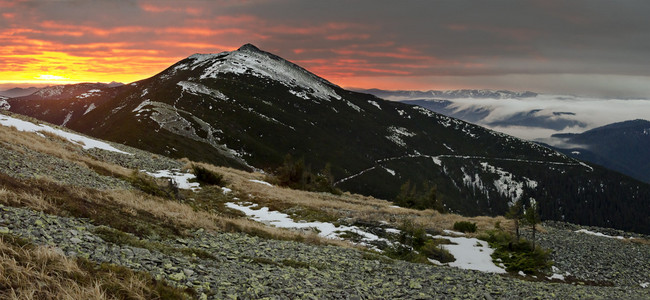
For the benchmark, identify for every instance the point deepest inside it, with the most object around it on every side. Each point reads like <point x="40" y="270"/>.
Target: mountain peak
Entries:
<point x="249" y="47"/>
<point x="251" y="61"/>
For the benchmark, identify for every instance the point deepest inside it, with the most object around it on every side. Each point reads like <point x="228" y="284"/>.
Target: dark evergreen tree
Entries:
<point x="516" y="214"/>
<point x="532" y="219"/>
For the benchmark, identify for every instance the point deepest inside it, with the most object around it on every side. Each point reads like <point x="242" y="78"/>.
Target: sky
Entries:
<point x="598" y="48"/>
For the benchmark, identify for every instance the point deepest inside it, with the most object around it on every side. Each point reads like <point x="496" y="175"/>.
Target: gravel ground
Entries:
<point x="27" y="163"/>
<point x="595" y="258"/>
<point x="249" y="267"/>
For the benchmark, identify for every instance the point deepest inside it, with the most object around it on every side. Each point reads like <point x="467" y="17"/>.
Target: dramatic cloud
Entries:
<point x="363" y="43"/>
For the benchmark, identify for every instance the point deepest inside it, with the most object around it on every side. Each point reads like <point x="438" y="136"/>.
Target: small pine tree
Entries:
<point x="409" y="196"/>
<point x="516" y="213"/>
<point x="532" y="218"/>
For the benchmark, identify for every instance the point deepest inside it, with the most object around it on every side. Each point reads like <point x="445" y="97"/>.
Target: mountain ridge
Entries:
<point x="621" y="146"/>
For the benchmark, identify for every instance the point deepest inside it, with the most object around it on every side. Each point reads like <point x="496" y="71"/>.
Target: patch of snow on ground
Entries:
<point x="181" y="179"/>
<point x="282" y="220"/>
<point x="86" y="143"/>
<point x="393" y="230"/>
<point x="225" y="190"/>
<point x="471" y="254"/>
<point x="585" y="231"/>
<point x="556" y="274"/>
<point x="447" y="231"/>
<point x="645" y="285"/>
<point x="260" y="182"/>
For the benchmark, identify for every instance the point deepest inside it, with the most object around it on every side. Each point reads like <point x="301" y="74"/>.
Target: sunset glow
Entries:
<point x="365" y="44"/>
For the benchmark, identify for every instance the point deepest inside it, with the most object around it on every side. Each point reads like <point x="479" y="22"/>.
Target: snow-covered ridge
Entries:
<point x="50" y="91"/>
<point x="250" y="60"/>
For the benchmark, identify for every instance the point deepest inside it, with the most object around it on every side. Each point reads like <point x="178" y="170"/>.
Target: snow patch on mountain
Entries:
<point x="301" y="94"/>
<point x="507" y="185"/>
<point x="395" y="135"/>
<point x="374" y="103"/>
<point x="355" y="107"/>
<point x="89" y="93"/>
<point x="474" y="182"/>
<point x="4" y="105"/>
<point x="90" y="108"/>
<point x="197" y="88"/>
<point x="390" y="171"/>
<point x="67" y="118"/>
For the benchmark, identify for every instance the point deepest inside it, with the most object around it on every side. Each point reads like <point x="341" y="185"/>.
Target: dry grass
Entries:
<point x="28" y="272"/>
<point x="639" y="241"/>
<point x="134" y="212"/>
<point x="348" y="205"/>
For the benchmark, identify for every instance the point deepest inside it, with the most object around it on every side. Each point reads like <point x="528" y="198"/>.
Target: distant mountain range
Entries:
<point x="249" y="108"/>
<point x="448" y="94"/>
<point x="21" y="92"/>
<point x="18" y="92"/>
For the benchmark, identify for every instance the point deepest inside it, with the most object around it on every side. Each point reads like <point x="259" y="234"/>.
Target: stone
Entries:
<point x="177" y="276"/>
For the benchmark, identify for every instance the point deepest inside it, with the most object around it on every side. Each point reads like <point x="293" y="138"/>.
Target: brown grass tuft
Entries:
<point x="29" y="272"/>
